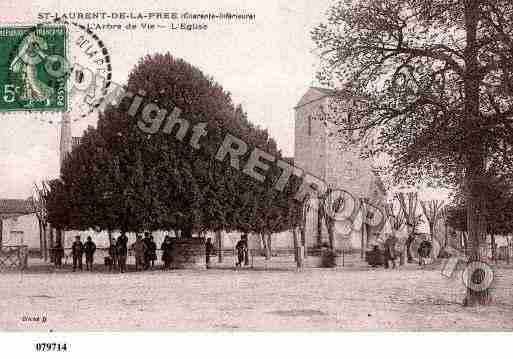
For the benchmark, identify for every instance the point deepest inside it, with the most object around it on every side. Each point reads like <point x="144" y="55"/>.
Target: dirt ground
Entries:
<point x="271" y="295"/>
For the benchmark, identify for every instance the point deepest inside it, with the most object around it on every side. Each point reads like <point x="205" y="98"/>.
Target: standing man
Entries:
<point x="167" y="248"/>
<point x="58" y="253"/>
<point x="122" y="251"/>
<point x="240" y="247"/>
<point x="77" y="250"/>
<point x="89" y="249"/>
<point x="209" y="249"/>
<point x="152" y="251"/>
<point x="139" y="248"/>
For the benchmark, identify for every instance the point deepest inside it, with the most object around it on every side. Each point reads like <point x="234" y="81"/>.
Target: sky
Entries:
<point x="266" y="64"/>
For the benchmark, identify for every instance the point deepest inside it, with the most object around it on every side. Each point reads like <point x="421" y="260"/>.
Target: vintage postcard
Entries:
<point x="256" y="166"/>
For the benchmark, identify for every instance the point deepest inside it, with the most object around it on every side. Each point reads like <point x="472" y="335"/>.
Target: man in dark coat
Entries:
<point x="167" y="248"/>
<point x="122" y="251"/>
<point x="58" y="253"/>
<point x="77" y="250"/>
<point x="152" y="251"/>
<point x="139" y="248"/>
<point x="424" y="252"/>
<point x="89" y="249"/>
<point x="209" y="249"/>
<point x="240" y="247"/>
<point x="389" y="253"/>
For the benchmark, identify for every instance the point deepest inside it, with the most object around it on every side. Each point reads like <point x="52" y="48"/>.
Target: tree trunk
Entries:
<point x="446" y="236"/>
<point x="267" y="247"/>
<point x="476" y="237"/>
<point x="297" y="252"/>
<point x="331" y="234"/>
<point x="295" y="241"/>
<point x="363" y="230"/>
<point x="320" y="216"/>
<point x="465" y="242"/>
<point x="474" y="147"/>
<point x="402" y="255"/>
<point x="248" y="252"/>
<point x="45" y="243"/>
<point x="508" y="252"/>
<point x="40" y="224"/>
<point x="219" y="240"/>
<point x="51" y="244"/>
<point x="494" y="247"/>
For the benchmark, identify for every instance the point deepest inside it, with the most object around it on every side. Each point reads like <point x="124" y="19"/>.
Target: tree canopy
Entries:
<point x="121" y="177"/>
<point x="432" y="79"/>
<point x="498" y="207"/>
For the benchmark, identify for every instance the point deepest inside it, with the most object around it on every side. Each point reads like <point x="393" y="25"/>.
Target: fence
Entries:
<point x="13" y="257"/>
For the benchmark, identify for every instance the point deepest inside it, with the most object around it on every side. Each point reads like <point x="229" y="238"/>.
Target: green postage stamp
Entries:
<point x="33" y="68"/>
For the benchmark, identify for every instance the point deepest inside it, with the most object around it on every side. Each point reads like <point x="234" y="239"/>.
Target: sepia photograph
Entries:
<point x="266" y="167"/>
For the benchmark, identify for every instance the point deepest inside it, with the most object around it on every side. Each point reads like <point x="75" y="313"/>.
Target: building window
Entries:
<point x="309" y="125"/>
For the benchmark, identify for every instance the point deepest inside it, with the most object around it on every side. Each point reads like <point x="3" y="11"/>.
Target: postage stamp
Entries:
<point x="33" y="69"/>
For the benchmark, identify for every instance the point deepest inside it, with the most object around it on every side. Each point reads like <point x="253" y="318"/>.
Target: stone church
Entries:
<point x="319" y="151"/>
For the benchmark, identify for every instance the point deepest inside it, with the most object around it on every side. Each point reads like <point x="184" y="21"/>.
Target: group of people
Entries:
<point x="144" y="249"/>
<point x="118" y="253"/>
<point x="391" y="253"/>
<point x="78" y="249"/>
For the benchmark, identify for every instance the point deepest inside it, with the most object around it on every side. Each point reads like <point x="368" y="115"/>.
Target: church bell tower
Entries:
<point x="65" y="137"/>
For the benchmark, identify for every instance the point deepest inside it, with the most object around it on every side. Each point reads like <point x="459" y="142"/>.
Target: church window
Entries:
<point x="309" y="125"/>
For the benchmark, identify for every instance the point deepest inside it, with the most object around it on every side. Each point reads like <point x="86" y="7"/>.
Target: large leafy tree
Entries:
<point x="497" y="209"/>
<point x="123" y="177"/>
<point x="433" y="79"/>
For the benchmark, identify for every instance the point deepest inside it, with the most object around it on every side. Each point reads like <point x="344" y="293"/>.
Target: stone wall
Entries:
<point x="188" y="254"/>
<point x="310" y="136"/>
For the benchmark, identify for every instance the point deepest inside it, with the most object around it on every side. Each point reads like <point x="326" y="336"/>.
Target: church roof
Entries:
<point x="324" y="90"/>
<point x="15" y="206"/>
<point x="315" y="93"/>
